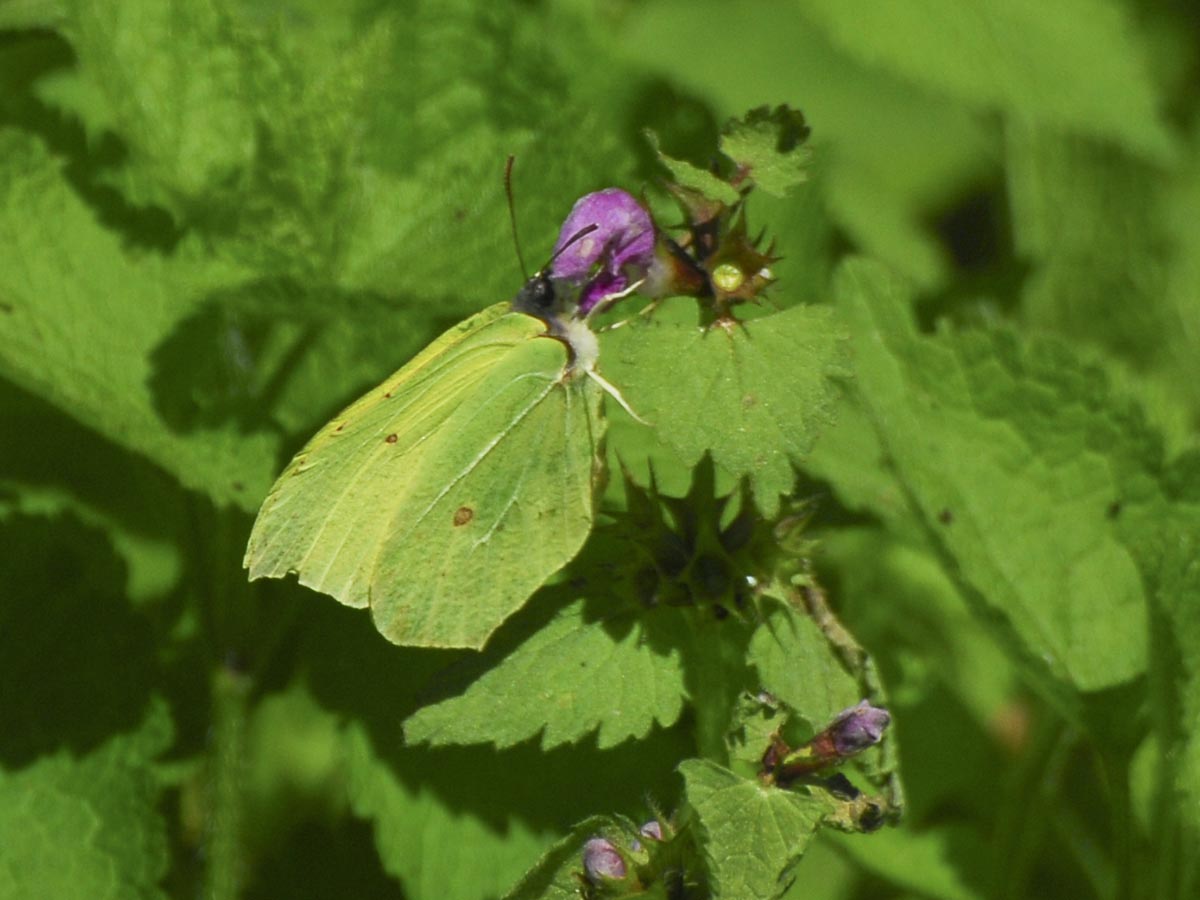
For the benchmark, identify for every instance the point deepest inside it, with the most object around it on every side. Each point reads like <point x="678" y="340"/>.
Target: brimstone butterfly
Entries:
<point x="447" y="495"/>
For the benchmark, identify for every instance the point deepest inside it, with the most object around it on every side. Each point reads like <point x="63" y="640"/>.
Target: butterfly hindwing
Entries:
<point x="447" y="495"/>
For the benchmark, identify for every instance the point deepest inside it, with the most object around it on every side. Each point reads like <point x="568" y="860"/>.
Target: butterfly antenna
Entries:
<point x="512" y="214"/>
<point x="573" y="239"/>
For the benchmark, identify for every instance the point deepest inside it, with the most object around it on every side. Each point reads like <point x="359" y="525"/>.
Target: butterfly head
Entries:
<point x="538" y="297"/>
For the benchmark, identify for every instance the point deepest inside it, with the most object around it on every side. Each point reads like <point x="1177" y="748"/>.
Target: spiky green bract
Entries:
<point x="752" y="834"/>
<point x="447" y="495"/>
<point x="756" y="417"/>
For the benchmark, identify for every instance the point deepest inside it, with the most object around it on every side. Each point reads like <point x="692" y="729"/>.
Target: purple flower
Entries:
<point x="601" y="860"/>
<point x="857" y="728"/>
<point x="652" y="830"/>
<point x="617" y="253"/>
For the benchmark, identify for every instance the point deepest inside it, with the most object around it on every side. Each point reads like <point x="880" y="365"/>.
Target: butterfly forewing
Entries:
<point x="504" y="500"/>
<point x="448" y="494"/>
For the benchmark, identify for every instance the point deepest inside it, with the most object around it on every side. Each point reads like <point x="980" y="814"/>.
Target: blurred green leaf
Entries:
<point x="930" y="863"/>
<point x="88" y="826"/>
<point x="17" y="14"/>
<point x="1075" y="63"/>
<point x="81" y="314"/>
<point x="885" y="150"/>
<point x="190" y="126"/>
<point x="1013" y="453"/>
<point x="1110" y="261"/>
<point x="64" y="611"/>
<point x="1166" y="542"/>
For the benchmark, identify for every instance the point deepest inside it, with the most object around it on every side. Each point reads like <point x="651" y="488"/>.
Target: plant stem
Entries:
<point x="1115" y="772"/>
<point x="230" y="692"/>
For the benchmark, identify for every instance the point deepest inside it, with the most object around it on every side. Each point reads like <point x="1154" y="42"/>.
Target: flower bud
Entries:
<point x="602" y="861"/>
<point x="652" y="830"/>
<point x="857" y="728"/>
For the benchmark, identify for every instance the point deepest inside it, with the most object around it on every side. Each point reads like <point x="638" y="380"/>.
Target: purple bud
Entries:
<point x="601" y="860"/>
<point x="857" y="728"/>
<point x="609" y="259"/>
<point x="652" y="830"/>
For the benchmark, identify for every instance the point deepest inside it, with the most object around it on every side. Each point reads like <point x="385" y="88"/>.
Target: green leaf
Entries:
<point x="573" y="676"/>
<point x="130" y="500"/>
<point x="1013" y="454"/>
<point x="900" y="599"/>
<point x="81" y="314"/>
<point x="752" y="835"/>
<point x="848" y="456"/>
<point x="723" y="390"/>
<point x="87" y="826"/>
<point x="464" y="822"/>
<point x="433" y="848"/>
<point x="275" y="353"/>
<point x="468" y="822"/>
<point x="1077" y="64"/>
<point x="766" y="144"/>
<point x="476" y="458"/>
<point x="686" y="175"/>
<point x="797" y="665"/>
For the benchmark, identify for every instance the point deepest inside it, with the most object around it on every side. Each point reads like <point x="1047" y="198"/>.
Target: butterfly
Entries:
<point x="443" y="498"/>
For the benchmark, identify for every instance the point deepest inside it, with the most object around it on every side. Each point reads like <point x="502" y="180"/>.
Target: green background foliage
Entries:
<point x="222" y="220"/>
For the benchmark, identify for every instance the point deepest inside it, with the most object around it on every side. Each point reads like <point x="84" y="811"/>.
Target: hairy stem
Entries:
<point x="861" y="666"/>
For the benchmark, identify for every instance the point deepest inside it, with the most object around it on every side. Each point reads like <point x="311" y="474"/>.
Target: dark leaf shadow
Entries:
<point x="274" y="354"/>
<point x="78" y="664"/>
<point x="354" y="673"/>
<point x="26" y="57"/>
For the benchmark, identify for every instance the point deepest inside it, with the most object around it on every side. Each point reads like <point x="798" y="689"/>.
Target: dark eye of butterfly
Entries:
<point x="537" y="296"/>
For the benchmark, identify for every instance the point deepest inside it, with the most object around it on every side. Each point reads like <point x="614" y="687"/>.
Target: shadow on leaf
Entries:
<point x="78" y="664"/>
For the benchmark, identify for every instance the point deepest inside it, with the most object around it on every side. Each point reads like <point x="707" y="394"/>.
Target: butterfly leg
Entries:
<point x="612" y="391"/>
<point x="608" y="301"/>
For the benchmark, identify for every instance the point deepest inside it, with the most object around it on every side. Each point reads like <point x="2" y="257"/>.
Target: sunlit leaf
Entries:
<point x="752" y="834"/>
<point x="599" y="676"/>
<point x="722" y="390"/>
